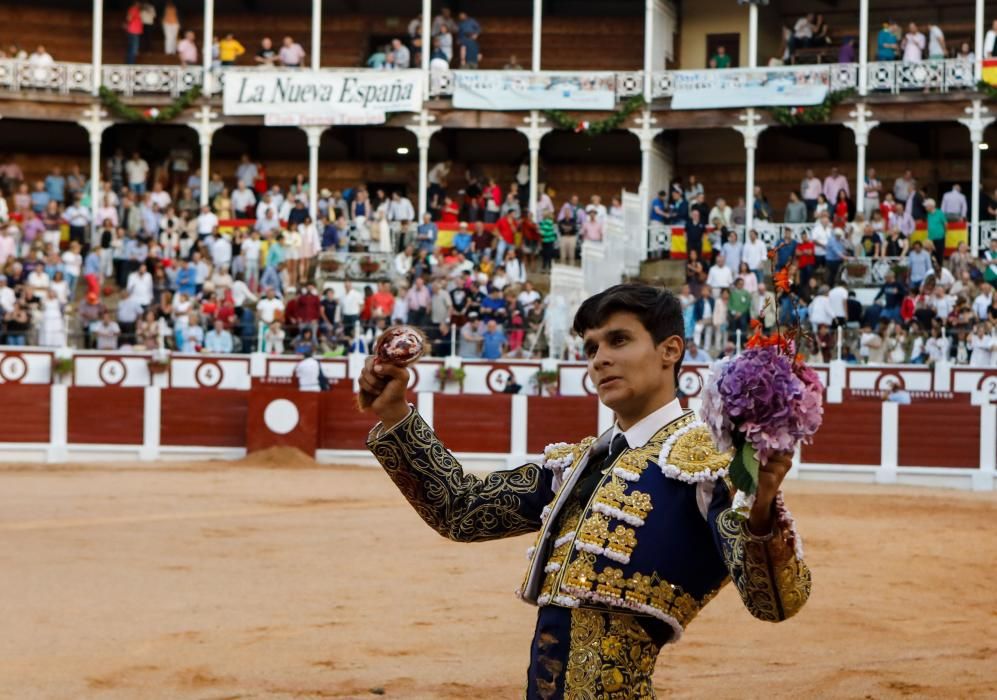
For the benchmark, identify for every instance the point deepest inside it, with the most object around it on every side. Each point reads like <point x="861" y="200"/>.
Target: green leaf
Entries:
<point x="744" y="470"/>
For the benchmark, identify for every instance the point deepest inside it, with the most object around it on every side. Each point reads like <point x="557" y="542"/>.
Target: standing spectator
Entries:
<point x="444" y="19"/>
<point x="904" y="186"/>
<point x="837" y="251"/>
<point x="732" y="252"/>
<point x="400" y="208"/>
<point x="796" y="210"/>
<point x="291" y="53"/>
<point x="266" y="57"/>
<point x="218" y="339"/>
<point x="106" y="331"/>
<point x="755" y="254"/>
<point x="548" y="238"/>
<point x="229" y="50"/>
<point x="990" y="41"/>
<point x="873" y="190"/>
<point x="721" y="59"/>
<point x="720" y="276"/>
<point x="493" y="341"/>
<point x="738" y="309"/>
<point x="887" y="44"/>
<point x="835" y="183"/>
<point x="471" y="337"/>
<point x="919" y="261"/>
<point x="913" y="44"/>
<point x="78" y="218"/>
<point x="133" y="31"/>
<point x="659" y="206"/>
<point x="592" y="228"/>
<point x="55" y="185"/>
<point x="721" y="212"/>
<point x="171" y="28"/>
<point x="137" y="171"/>
<point x="954" y="204"/>
<point x="426" y="234"/>
<point x="187" y="50"/>
<point x="243" y="201"/>
<point x="937" y="223"/>
<point x="937" y="50"/>
<point x="401" y="56"/>
<point x="40" y="58"/>
<point x="470" y="53"/>
<point x="810" y="190"/>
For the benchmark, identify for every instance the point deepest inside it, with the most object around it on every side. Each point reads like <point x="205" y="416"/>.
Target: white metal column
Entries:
<point x="534" y="134"/>
<point x="96" y="59"/>
<point x="427" y="40"/>
<point x="423" y="134"/>
<point x="537" y="33"/>
<point x="750" y="131"/>
<point x="205" y="129"/>
<point x="316" y="35"/>
<point x="977" y="124"/>
<point x="860" y="126"/>
<point x="95" y="124"/>
<point x="209" y="33"/>
<point x="752" y="34"/>
<point x="645" y="134"/>
<point x="314" y="141"/>
<point x="863" y="47"/>
<point x="978" y="40"/>
<point x="648" y="48"/>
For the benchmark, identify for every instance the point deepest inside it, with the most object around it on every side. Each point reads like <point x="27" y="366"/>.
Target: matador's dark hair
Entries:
<point x="658" y="310"/>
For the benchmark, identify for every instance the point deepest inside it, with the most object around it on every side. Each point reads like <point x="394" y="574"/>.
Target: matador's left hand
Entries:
<point x="770" y="477"/>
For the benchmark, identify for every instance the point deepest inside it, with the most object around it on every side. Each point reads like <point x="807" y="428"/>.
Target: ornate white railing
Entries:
<point x="67" y="77"/>
<point x="871" y="272"/>
<point x="988" y="232"/>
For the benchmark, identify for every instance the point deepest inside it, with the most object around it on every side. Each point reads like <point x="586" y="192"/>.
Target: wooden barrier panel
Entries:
<point x="936" y="435"/>
<point x="467" y="423"/>
<point x="203" y="417"/>
<point x="24" y="412"/>
<point x="850" y="434"/>
<point x="105" y="415"/>
<point x="341" y="424"/>
<point x="559" y="419"/>
<point x="281" y="415"/>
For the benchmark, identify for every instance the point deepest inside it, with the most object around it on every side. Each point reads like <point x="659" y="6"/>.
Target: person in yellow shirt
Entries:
<point x="229" y="49"/>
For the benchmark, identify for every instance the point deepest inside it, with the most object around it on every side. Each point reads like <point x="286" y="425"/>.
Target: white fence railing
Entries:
<point x="894" y="77"/>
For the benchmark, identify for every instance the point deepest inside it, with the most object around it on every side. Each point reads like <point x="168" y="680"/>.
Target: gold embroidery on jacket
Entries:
<point x="611" y="656"/>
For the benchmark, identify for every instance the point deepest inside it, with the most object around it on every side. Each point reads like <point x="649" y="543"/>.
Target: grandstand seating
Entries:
<point x="569" y="43"/>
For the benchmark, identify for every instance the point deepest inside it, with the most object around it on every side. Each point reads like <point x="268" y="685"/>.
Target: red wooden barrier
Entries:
<point x="559" y="419"/>
<point x="24" y="412"/>
<point x="936" y="435"/>
<point x="850" y="434"/>
<point x="105" y="415"/>
<point x="203" y="417"/>
<point x="468" y="423"/>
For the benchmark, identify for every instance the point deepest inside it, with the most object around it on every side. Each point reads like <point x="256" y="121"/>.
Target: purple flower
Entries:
<point x="764" y="396"/>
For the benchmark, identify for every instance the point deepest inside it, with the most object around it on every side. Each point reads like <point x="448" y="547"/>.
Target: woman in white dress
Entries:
<point x="292" y="254"/>
<point x="53" y="328"/>
<point x="311" y="244"/>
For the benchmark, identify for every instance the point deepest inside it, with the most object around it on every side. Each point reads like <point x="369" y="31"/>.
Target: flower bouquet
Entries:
<point x="765" y="400"/>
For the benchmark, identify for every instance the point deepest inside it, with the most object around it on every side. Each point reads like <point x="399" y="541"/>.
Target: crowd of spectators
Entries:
<point x="930" y="305"/>
<point x="161" y="271"/>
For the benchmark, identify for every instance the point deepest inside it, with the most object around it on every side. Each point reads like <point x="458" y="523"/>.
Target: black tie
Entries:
<point x="594" y="472"/>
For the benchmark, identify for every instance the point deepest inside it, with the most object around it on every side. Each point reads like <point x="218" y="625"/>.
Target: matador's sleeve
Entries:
<point x="460" y="506"/>
<point x="768" y="571"/>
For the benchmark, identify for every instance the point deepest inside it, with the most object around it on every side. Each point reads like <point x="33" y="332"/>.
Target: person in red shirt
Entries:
<point x="806" y="258"/>
<point x="133" y="29"/>
<point x="505" y="233"/>
<point x="308" y="310"/>
<point x="260" y="185"/>
<point x="382" y="302"/>
<point x="531" y="240"/>
<point x="450" y="213"/>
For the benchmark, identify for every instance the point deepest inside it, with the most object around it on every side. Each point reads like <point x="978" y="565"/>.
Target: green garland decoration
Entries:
<point x="815" y="114"/>
<point x="563" y="120"/>
<point x="153" y="115"/>
<point x="989" y="91"/>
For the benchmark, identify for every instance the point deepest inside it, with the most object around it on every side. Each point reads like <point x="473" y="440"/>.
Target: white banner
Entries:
<point x="511" y="90"/>
<point x="335" y="119"/>
<point x="748" y="87"/>
<point x="321" y="93"/>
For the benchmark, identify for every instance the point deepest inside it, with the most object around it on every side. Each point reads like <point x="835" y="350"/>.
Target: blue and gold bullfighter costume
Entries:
<point x="638" y="531"/>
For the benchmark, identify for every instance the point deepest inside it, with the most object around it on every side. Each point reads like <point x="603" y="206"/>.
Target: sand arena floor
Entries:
<point x="218" y="581"/>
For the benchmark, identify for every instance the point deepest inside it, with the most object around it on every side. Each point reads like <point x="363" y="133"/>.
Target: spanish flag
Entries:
<point x="920" y="232"/>
<point x="956" y="232"/>
<point x="989" y="73"/>
<point x="678" y="250"/>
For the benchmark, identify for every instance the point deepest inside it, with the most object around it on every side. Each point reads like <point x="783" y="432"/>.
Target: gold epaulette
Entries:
<point x="691" y="455"/>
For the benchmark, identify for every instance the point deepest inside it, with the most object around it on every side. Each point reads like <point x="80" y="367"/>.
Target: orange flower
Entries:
<point x="756" y="324"/>
<point x="781" y="280"/>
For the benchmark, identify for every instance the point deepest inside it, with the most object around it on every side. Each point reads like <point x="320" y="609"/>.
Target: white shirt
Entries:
<point x="720" y="277"/>
<point x="754" y="253"/>
<point x="307" y="372"/>
<point x="137" y="171"/>
<point x="140" y="287"/>
<point x="7" y="299"/>
<point x="820" y="311"/>
<point x="206" y="223"/>
<point x="221" y="252"/>
<point x="401" y="210"/>
<point x="251" y="251"/>
<point x="268" y="308"/>
<point x="351" y="302"/>
<point x="243" y="199"/>
<point x="161" y="199"/>
<point x="40" y="59"/>
<point x="820" y="235"/>
<point x="837" y="300"/>
<point x="935" y="39"/>
<point x="988" y="43"/>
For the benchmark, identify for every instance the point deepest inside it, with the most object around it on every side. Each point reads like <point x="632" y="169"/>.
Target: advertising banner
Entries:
<point x="515" y="90"/>
<point x="748" y="87"/>
<point x="321" y="93"/>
